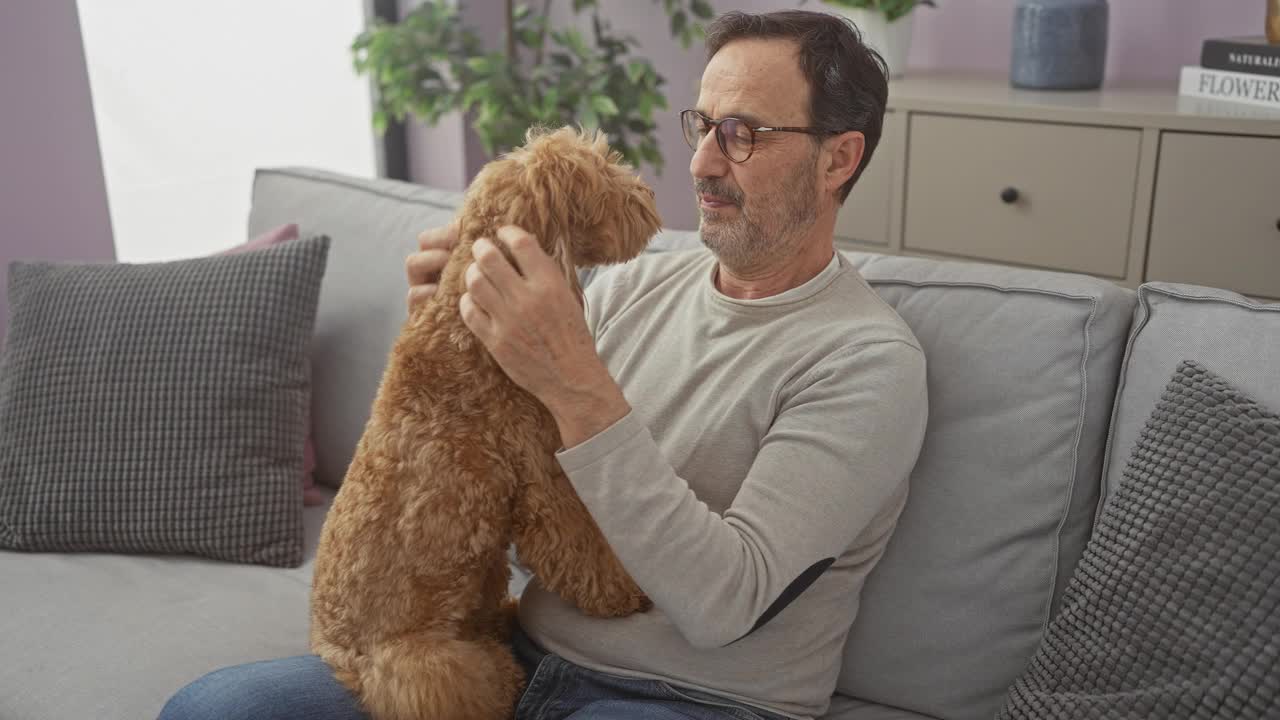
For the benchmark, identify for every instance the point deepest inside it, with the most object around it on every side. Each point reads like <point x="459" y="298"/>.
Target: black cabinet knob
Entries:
<point x="1009" y="195"/>
<point x="1278" y="223"/>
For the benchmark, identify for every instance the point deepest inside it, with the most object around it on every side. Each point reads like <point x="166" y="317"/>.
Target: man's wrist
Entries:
<point x="587" y="410"/>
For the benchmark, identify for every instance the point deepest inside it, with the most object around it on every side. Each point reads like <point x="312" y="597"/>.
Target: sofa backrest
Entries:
<point x="373" y="226"/>
<point x="1022" y="370"/>
<point x="1233" y="337"/>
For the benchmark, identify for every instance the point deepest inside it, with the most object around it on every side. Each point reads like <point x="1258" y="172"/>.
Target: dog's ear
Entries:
<point x="561" y="253"/>
<point x="581" y="200"/>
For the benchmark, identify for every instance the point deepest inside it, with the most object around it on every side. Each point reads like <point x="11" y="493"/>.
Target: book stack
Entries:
<point x="1239" y="69"/>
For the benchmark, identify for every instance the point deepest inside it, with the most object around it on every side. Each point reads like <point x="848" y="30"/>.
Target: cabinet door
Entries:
<point x="1045" y="195"/>
<point x="1216" y="218"/>
<point x="864" y="218"/>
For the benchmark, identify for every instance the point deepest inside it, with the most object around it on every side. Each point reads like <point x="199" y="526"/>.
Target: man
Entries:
<point x="740" y="420"/>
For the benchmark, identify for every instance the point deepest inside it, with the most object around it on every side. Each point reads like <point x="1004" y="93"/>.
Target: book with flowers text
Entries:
<point x="1260" y="90"/>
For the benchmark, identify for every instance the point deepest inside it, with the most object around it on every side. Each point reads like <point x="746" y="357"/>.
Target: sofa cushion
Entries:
<point x="1238" y="338"/>
<point x="1022" y="371"/>
<point x="374" y="226"/>
<point x="113" y="636"/>
<point x="1175" y="607"/>
<point x="159" y="407"/>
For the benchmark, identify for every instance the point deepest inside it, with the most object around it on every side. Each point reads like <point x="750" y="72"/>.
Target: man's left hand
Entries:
<point x="530" y="321"/>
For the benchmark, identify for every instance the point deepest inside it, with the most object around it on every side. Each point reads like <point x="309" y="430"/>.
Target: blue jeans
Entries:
<point x="303" y="688"/>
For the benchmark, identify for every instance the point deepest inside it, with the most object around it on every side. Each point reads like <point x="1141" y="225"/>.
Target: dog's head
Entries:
<point x="566" y="187"/>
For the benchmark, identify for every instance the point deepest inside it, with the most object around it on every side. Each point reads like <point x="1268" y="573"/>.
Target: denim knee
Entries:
<point x="216" y="695"/>
<point x="299" y="687"/>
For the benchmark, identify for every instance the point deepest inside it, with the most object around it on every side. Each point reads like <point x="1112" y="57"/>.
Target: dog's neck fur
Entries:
<point x="441" y="312"/>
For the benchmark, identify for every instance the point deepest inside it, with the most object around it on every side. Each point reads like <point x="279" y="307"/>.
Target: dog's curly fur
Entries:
<point x="409" y="602"/>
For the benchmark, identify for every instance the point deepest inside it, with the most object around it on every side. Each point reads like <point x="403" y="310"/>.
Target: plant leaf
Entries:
<point x="529" y="38"/>
<point x="636" y="70"/>
<point x="604" y="105"/>
<point x="574" y="41"/>
<point x="678" y="22"/>
<point x="483" y="65"/>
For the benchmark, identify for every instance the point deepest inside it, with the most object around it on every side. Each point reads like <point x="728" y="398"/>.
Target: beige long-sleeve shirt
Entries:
<point x="754" y="484"/>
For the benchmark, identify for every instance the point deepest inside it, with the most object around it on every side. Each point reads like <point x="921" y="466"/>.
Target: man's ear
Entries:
<point x="844" y="155"/>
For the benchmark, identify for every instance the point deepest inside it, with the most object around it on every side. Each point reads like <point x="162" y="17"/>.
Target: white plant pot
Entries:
<point x="891" y="39"/>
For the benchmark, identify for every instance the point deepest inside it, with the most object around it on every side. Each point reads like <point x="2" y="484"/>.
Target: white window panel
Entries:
<point x="191" y="97"/>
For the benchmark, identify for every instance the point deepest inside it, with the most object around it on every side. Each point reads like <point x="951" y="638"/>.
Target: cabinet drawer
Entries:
<point x="1040" y="194"/>
<point x="1216" y="217"/>
<point x="864" y="218"/>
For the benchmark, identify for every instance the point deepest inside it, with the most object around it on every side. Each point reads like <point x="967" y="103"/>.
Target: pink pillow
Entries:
<point x="310" y="494"/>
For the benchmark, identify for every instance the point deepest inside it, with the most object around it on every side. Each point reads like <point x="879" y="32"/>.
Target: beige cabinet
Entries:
<point x="1026" y="193"/>
<point x="1130" y="184"/>
<point x="1216" y="218"/>
<point x="865" y="216"/>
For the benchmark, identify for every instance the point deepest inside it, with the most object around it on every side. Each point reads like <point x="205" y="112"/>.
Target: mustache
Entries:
<point x="719" y="189"/>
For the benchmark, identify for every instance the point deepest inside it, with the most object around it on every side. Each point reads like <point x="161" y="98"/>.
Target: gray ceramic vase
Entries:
<point x="1059" y="44"/>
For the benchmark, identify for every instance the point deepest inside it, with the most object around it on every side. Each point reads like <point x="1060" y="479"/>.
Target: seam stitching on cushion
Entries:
<point x="1104" y="488"/>
<point x="1073" y="475"/>
<point x="981" y="286"/>
<point x="1198" y="298"/>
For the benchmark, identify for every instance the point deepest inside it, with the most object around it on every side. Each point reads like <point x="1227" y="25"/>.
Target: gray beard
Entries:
<point x="768" y="227"/>
<point x="761" y="233"/>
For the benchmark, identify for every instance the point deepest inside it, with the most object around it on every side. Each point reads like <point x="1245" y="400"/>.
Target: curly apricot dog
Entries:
<point x="409" y="601"/>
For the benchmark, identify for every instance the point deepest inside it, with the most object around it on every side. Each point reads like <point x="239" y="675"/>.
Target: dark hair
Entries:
<point x="848" y="81"/>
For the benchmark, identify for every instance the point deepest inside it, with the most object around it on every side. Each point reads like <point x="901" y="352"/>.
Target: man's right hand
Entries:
<point x="424" y="266"/>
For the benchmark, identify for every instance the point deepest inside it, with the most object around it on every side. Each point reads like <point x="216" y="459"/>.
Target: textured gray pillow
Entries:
<point x="1174" y="610"/>
<point x="159" y="408"/>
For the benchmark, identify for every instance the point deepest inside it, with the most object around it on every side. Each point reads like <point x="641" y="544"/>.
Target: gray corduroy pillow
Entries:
<point x="159" y="407"/>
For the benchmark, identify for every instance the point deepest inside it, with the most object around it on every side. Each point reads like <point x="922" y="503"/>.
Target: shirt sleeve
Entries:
<point x="839" y="452"/>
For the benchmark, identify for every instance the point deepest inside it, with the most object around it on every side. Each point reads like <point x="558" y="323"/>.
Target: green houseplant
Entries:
<point x="429" y="63"/>
<point x="886" y="25"/>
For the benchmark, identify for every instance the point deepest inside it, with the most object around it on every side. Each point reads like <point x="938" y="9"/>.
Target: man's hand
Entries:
<point x="532" y="324"/>
<point x="424" y="266"/>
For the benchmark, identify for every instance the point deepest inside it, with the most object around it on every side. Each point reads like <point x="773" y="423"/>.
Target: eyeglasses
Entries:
<point x="737" y="139"/>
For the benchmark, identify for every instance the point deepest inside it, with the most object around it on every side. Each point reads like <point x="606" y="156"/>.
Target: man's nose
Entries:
<point x="707" y="160"/>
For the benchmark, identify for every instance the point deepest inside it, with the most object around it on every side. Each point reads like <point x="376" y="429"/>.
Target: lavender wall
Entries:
<point x="53" y="200"/>
<point x="1149" y="41"/>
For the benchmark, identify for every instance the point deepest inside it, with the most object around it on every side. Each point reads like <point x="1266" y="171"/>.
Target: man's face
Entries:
<point x="751" y="211"/>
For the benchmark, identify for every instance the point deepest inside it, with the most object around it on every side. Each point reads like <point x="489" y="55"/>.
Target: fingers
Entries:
<point x="483" y="292"/>
<point x="440" y="238"/>
<point x="528" y="254"/>
<point x="494" y="265"/>
<point x="424" y="266"/>
<point x="420" y="294"/>
<point x="476" y="319"/>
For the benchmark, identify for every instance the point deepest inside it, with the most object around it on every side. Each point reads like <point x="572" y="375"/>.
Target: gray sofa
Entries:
<point x="1039" y="385"/>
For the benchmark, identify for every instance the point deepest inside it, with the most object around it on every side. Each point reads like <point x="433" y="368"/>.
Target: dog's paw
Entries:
<point x="618" y="605"/>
